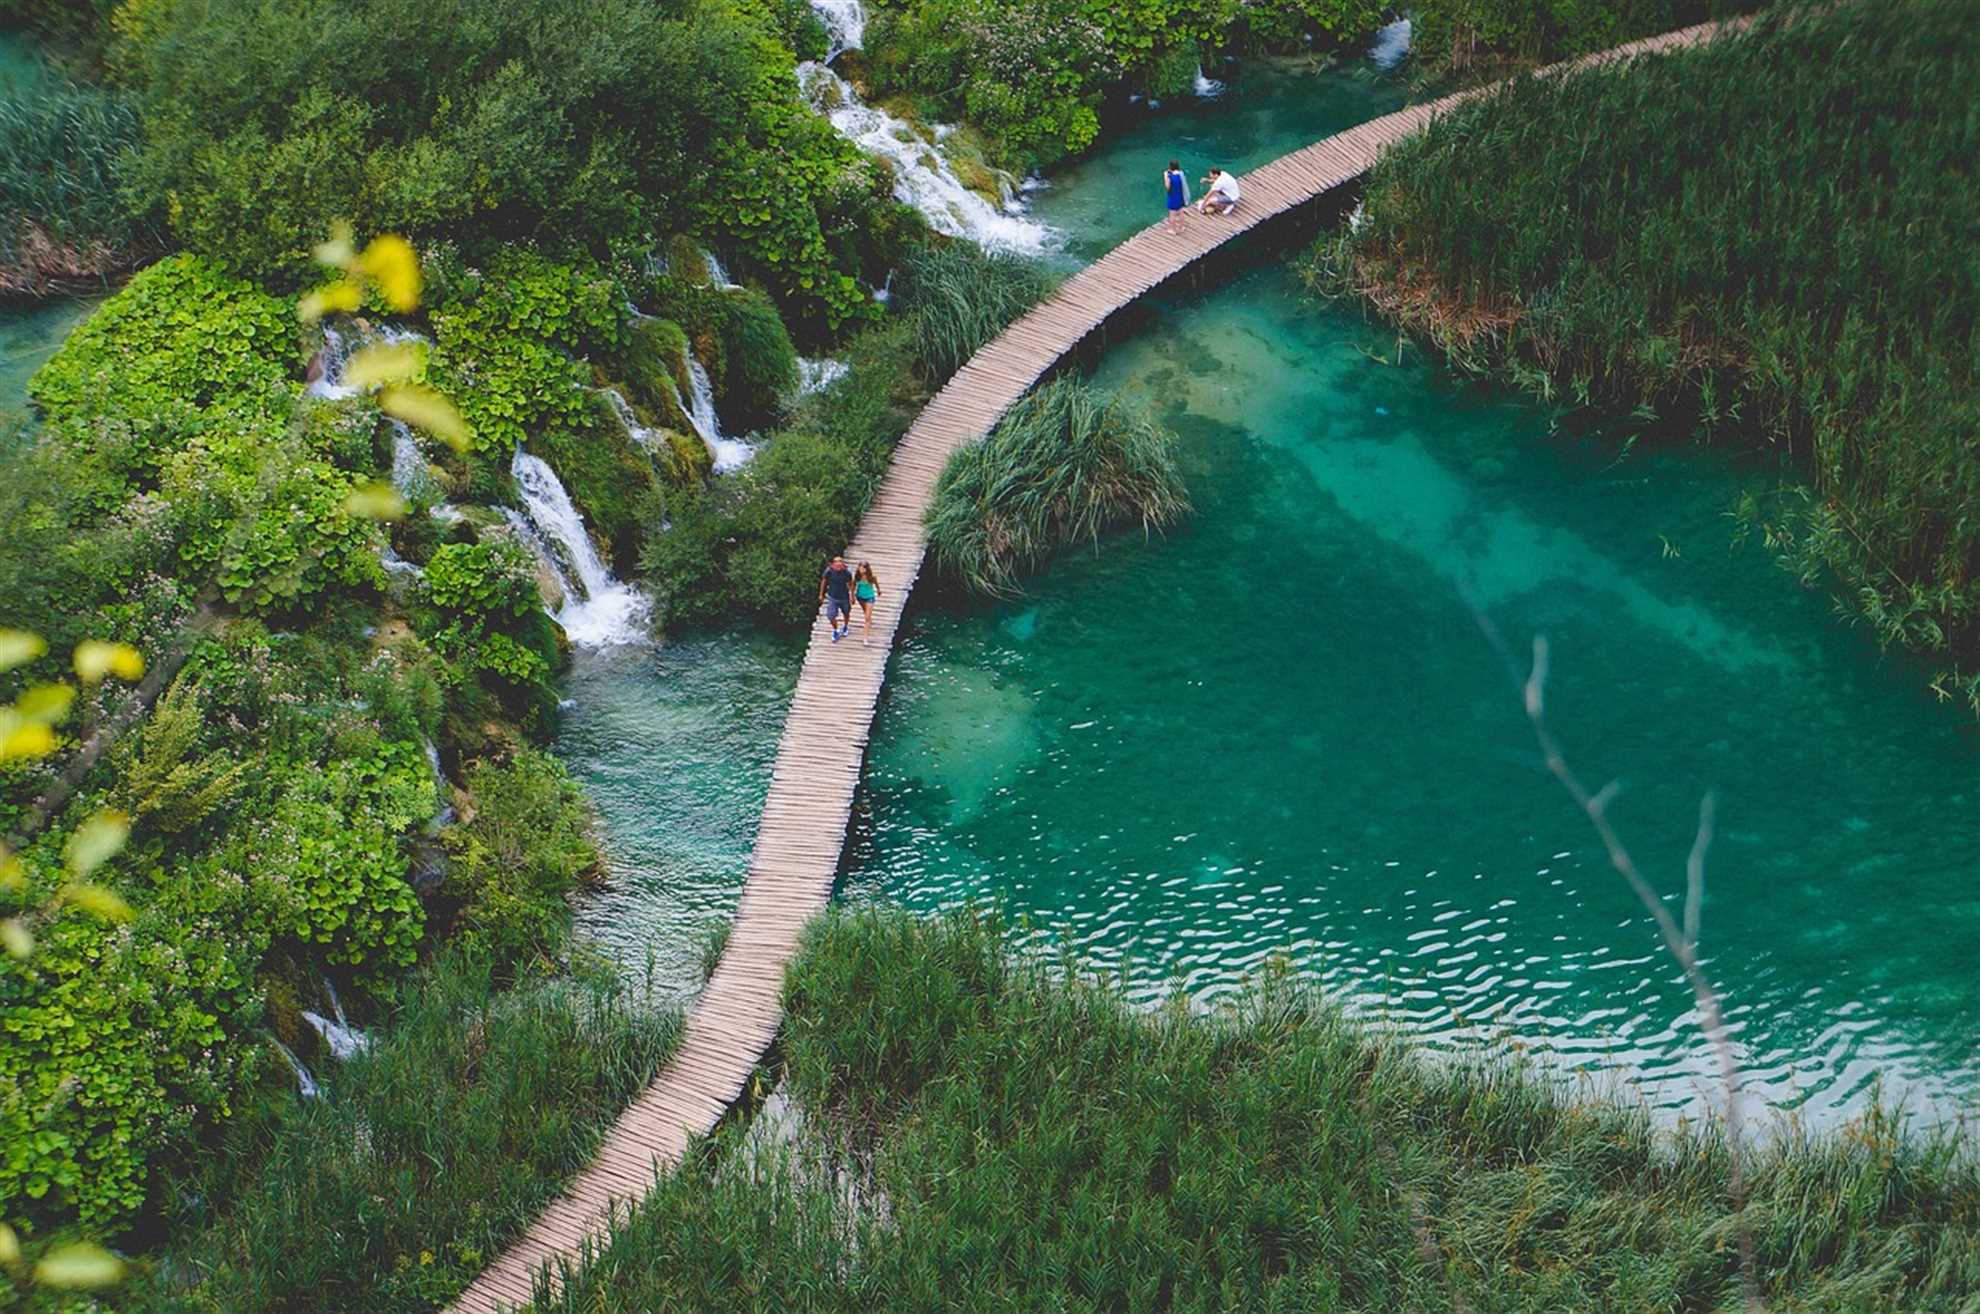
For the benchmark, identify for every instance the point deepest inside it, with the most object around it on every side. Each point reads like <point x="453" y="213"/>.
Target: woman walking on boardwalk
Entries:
<point x="865" y="589"/>
<point x="1177" y="188"/>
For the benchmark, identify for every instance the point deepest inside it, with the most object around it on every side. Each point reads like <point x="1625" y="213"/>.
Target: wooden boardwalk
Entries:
<point x="796" y="859"/>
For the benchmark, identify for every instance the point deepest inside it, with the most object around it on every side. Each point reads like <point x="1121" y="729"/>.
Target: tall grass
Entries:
<point x="420" y="1160"/>
<point x="63" y="148"/>
<point x="959" y="296"/>
<point x="1029" y="1142"/>
<point x="1065" y="465"/>
<point x="1766" y="241"/>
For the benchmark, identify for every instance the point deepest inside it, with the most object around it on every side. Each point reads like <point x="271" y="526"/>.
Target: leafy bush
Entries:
<point x="1063" y="466"/>
<point x="490" y="619"/>
<point x="1741" y="242"/>
<point x="974" y="1123"/>
<point x="759" y="363"/>
<point x="63" y="148"/>
<point x="421" y="1159"/>
<point x="1462" y="38"/>
<point x="524" y="848"/>
<point x="959" y="296"/>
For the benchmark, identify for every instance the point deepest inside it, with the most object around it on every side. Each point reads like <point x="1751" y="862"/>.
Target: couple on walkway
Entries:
<point x="1222" y="198"/>
<point x="839" y="588"/>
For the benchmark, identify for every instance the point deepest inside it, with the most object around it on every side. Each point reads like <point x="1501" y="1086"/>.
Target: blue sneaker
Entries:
<point x="836" y="636"/>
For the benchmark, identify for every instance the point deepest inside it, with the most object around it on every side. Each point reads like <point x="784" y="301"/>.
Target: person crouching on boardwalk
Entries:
<point x="834" y="590"/>
<point x="865" y="589"/>
<point x="1223" y="196"/>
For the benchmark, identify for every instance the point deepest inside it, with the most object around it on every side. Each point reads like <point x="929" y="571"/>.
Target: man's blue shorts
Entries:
<point x="835" y="608"/>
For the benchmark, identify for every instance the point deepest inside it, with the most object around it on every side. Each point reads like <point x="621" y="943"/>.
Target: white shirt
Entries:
<point x="1227" y="184"/>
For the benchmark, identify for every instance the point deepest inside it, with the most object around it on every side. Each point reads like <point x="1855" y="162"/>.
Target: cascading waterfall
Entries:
<point x="305" y="1084"/>
<point x="819" y="374"/>
<point x="598" y="610"/>
<point x="717" y="275"/>
<point x="922" y="178"/>
<point x="342" y="1039"/>
<point x="1391" y="45"/>
<point x="728" y="453"/>
<point x="1207" y="87"/>
<point x="444" y="814"/>
<point x="639" y="433"/>
<point x="845" y="25"/>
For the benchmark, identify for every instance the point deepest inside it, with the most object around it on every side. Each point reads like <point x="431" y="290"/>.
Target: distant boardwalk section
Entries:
<point x="796" y="858"/>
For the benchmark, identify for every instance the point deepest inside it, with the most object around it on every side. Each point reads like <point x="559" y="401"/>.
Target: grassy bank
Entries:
<point x="1764" y="242"/>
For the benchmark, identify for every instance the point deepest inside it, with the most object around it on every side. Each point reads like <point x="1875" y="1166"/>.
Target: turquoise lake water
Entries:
<point x="1281" y="731"/>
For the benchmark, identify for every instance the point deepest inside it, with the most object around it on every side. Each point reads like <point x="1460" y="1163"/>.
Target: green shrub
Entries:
<point x="489" y="619"/>
<point x="421" y="1159"/>
<point x="1063" y="466"/>
<point x="971" y="1123"/>
<point x="1462" y="38"/>
<point x="524" y="848"/>
<point x="959" y="296"/>
<point x="63" y="148"/>
<point x="759" y="363"/>
<point x="1738" y="242"/>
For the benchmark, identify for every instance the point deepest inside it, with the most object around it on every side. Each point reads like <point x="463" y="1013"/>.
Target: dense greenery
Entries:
<point x="1036" y="75"/>
<point x="959" y="296"/>
<point x="1482" y="38"/>
<point x="488" y="122"/>
<point x="751" y="545"/>
<point x="1033" y="1142"/>
<point x="1761" y="242"/>
<point x="1065" y="465"/>
<point x="422" y="1157"/>
<point x="63" y="152"/>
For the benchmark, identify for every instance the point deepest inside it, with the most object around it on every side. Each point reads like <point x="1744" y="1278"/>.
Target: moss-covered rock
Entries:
<point x="656" y="367"/>
<point x="605" y="471"/>
<point x="760" y="362"/>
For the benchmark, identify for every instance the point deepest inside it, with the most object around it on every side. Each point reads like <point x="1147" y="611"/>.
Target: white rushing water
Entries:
<point x="639" y="433"/>
<point x="718" y="275"/>
<point x="1207" y="87"/>
<point x="329" y="383"/>
<point x="1391" y="45"/>
<point x="845" y="25"/>
<point x="305" y="1084"/>
<point x="816" y="375"/>
<point x="728" y="453"/>
<point x="342" y="1039"/>
<point x="598" y="610"/>
<point x="922" y="178"/>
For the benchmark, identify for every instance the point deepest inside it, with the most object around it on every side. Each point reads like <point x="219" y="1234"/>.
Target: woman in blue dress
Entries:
<point x="1177" y="188"/>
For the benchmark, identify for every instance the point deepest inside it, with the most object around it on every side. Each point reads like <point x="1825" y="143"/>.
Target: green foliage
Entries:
<point x="524" y="848"/>
<point x="752" y="545"/>
<point x="759" y="362"/>
<point x="489" y="619"/>
<point x="478" y="121"/>
<point x="506" y="346"/>
<point x="63" y="151"/>
<point x="421" y="1159"/>
<point x="1467" y="38"/>
<point x="302" y="542"/>
<point x="976" y="1124"/>
<point x="488" y="585"/>
<point x="167" y="783"/>
<point x="1063" y="466"/>
<point x="959" y="296"/>
<point x="1743" y="241"/>
<point x="656" y="366"/>
<point x="609" y="476"/>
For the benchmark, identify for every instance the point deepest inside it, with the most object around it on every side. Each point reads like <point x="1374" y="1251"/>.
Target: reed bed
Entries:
<point x="419" y="1161"/>
<point x="1066" y="465"/>
<point x="63" y="220"/>
<point x="959" y="296"/>
<point x="1765" y="241"/>
<point x="1027" y="1141"/>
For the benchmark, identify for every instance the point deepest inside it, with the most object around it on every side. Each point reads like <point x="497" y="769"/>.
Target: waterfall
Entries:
<point x="922" y="178"/>
<point x="820" y="374"/>
<point x="845" y="25"/>
<point x="444" y="813"/>
<point x="1391" y="44"/>
<point x="305" y="1084"/>
<point x="329" y="368"/>
<point x="718" y="276"/>
<point x="410" y="473"/>
<point x="339" y="1035"/>
<point x="1207" y="88"/>
<point x="395" y="564"/>
<point x="636" y="431"/>
<point x="598" y="610"/>
<point x="728" y="453"/>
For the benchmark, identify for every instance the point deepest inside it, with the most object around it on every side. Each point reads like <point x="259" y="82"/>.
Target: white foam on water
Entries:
<point x="845" y="25"/>
<point x="1206" y="87"/>
<point x="820" y="374"/>
<point x="1391" y="45"/>
<point x="599" y="611"/>
<point x="305" y="1084"/>
<point x="922" y="178"/>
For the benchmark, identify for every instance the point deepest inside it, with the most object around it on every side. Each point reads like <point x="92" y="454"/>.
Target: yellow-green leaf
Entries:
<point x="100" y="901"/>
<point x="17" y="646"/>
<point x="339" y="251"/>
<point x="341" y="295"/>
<point x="10" y="1245"/>
<point x="96" y="841"/>
<point x="376" y="502"/>
<point x="428" y="410"/>
<point x="390" y="261"/>
<point x="79" y="1266"/>
<point x="382" y="363"/>
<point x="16" y="940"/>
<point x="11" y="878"/>
<point x="96" y="659"/>
<point x="45" y="703"/>
<point x="26" y="739"/>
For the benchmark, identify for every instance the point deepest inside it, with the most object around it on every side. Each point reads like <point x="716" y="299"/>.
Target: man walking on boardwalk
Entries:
<point x="835" y="591"/>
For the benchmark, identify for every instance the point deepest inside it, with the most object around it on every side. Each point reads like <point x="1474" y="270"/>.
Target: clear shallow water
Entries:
<point x="1281" y="732"/>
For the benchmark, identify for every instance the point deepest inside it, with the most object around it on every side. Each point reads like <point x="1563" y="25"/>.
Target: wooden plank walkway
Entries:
<point x="817" y="770"/>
